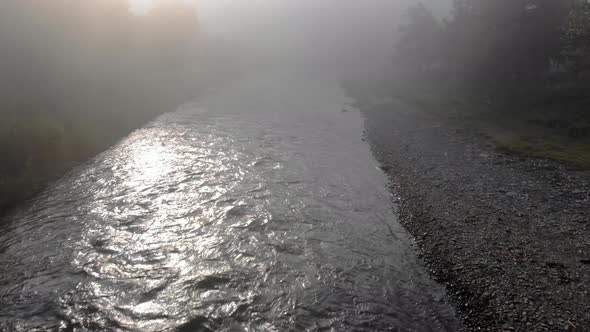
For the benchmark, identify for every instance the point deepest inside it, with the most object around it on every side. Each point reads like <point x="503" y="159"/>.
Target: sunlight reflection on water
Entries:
<point x="220" y="218"/>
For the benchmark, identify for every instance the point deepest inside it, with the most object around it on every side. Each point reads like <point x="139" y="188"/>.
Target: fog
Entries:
<point x="336" y="35"/>
<point x="221" y="176"/>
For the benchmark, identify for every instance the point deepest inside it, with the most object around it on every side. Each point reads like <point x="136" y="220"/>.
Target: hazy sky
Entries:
<point x="349" y="32"/>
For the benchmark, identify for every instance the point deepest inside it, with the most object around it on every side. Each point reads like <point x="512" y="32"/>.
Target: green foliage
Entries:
<point x="490" y="46"/>
<point x="522" y="65"/>
<point x="28" y="140"/>
<point x="419" y="35"/>
<point x="576" y="38"/>
<point x="573" y="153"/>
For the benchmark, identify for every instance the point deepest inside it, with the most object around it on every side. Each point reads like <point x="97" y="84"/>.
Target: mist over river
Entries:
<point x="257" y="207"/>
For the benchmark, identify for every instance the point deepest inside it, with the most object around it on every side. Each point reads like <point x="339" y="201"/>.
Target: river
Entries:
<point x="258" y="207"/>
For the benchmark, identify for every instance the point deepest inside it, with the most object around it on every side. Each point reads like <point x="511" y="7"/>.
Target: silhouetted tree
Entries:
<point x="494" y="46"/>
<point x="576" y="38"/>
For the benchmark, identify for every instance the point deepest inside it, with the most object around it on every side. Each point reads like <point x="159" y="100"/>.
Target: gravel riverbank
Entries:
<point x="509" y="236"/>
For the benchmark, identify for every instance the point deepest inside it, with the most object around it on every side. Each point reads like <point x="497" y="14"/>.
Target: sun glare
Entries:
<point x="141" y="6"/>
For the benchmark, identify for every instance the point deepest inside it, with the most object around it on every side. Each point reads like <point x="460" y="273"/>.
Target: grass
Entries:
<point x="572" y="153"/>
<point x="527" y="129"/>
<point x="36" y="148"/>
<point x="530" y="134"/>
<point x="548" y="122"/>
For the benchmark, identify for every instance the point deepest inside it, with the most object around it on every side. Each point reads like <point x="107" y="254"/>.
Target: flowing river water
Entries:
<point x="257" y="208"/>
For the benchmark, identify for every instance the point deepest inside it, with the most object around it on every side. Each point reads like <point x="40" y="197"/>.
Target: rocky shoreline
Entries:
<point x="508" y="236"/>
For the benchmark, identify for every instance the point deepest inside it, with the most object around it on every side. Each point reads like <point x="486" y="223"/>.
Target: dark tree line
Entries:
<point x="501" y="48"/>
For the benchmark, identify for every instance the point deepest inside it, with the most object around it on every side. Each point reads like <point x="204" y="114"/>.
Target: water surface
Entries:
<point x="257" y="208"/>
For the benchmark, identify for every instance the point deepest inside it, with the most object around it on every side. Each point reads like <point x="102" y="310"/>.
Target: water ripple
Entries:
<point x="216" y="218"/>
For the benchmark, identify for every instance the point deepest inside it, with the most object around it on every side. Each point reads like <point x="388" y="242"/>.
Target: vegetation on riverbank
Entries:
<point x="519" y="70"/>
<point x="539" y="134"/>
<point x="506" y="235"/>
<point x="517" y="73"/>
<point x="78" y="75"/>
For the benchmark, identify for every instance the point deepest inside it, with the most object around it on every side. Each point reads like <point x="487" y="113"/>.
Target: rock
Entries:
<point x="386" y="168"/>
<point x="539" y="208"/>
<point x="555" y="265"/>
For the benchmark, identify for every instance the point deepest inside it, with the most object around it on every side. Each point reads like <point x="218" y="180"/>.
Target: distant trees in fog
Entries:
<point x="72" y="55"/>
<point x="497" y="46"/>
<point x="576" y="38"/>
<point x="77" y="74"/>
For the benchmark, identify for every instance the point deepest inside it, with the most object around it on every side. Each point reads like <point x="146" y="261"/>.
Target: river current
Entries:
<point x="258" y="207"/>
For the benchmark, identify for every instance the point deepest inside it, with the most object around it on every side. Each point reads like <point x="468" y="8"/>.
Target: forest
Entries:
<point x="78" y="75"/>
<point x="518" y="68"/>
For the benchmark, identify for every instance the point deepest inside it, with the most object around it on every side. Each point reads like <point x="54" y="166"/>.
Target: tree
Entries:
<point x="576" y="38"/>
<point x="419" y="43"/>
<point x="488" y="46"/>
